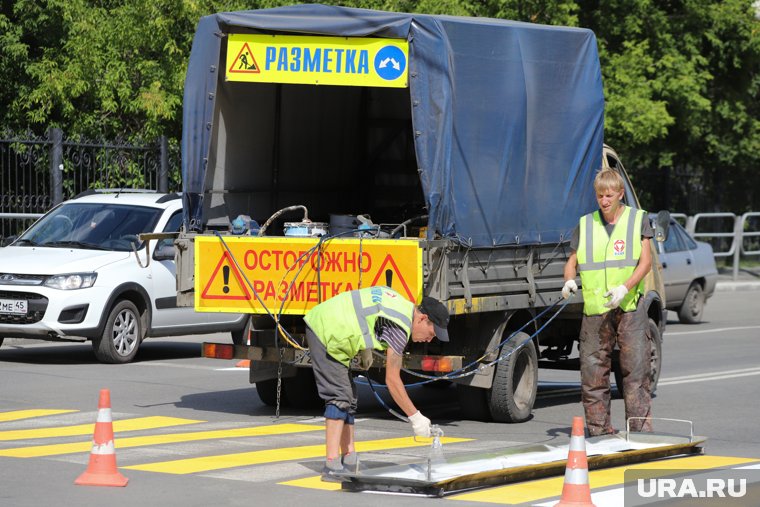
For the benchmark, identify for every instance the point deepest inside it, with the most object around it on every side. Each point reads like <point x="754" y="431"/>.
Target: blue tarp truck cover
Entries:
<point x="508" y="117"/>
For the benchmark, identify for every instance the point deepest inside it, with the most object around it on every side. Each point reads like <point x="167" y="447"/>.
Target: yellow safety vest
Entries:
<point x="345" y="323"/>
<point x="606" y="261"/>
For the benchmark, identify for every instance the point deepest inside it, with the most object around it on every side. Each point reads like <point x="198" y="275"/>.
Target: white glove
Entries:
<point x="420" y="424"/>
<point x="570" y="288"/>
<point x="617" y="294"/>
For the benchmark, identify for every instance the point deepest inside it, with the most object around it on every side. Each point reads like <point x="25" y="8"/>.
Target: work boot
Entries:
<point x="332" y="467"/>
<point x="351" y="462"/>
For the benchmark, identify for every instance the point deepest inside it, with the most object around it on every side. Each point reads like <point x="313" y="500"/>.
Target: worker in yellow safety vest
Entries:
<point x="611" y="249"/>
<point x="353" y="324"/>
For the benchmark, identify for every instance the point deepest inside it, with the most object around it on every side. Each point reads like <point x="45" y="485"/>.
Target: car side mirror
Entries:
<point x="661" y="225"/>
<point x="164" y="252"/>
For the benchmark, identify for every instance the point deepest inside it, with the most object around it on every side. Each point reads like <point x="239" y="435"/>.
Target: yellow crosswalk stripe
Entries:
<point x="17" y="415"/>
<point x="208" y="463"/>
<point x="136" y="424"/>
<point x="170" y="438"/>
<point x="313" y="482"/>
<point x="547" y="488"/>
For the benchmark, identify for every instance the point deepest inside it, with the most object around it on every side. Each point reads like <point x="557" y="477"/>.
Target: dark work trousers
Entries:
<point x="335" y="383"/>
<point x="599" y="333"/>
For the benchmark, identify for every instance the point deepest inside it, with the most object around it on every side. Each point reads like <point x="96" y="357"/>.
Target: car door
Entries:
<point x="166" y="314"/>
<point x="677" y="265"/>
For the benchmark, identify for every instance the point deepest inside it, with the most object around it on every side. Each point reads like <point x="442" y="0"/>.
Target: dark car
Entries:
<point x="689" y="272"/>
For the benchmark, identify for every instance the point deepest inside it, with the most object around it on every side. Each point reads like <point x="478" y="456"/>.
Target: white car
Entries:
<point x="81" y="273"/>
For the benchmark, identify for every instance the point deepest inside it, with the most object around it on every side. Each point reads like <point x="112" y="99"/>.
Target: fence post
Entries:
<point x="56" y="164"/>
<point x="163" y="175"/>
<point x="739" y="239"/>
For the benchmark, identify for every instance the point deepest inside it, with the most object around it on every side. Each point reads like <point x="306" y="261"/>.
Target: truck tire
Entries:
<point x="693" y="305"/>
<point x="267" y="391"/>
<point x="121" y="336"/>
<point x="301" y="390"/>
<point x="515" y="382"/>
<point x="655" y="340"/>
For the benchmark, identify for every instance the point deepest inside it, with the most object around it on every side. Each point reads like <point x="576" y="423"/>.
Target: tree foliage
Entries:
<point x="681" y="77"/>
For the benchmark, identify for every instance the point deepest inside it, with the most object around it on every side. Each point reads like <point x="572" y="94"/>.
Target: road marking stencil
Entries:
<point x="537" y="490"/>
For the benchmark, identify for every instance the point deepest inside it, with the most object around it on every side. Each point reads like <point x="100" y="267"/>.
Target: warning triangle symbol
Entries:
<point x="223" y="286"/>
<point x="391" y="272"/>
<point x="244" y="62"/>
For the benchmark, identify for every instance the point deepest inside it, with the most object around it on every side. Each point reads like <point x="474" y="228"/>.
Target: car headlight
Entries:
<point x="71" y="281"/>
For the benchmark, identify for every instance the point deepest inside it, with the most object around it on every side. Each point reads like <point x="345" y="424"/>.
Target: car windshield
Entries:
<point x="93" y="226"/>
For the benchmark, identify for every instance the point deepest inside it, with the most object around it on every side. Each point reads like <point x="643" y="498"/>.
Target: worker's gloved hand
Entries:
<point x="570" y="288"/>
<point x="616" y="296"/>
<point x="420" y="424"/>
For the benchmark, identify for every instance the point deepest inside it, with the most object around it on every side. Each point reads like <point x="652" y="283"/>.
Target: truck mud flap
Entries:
<point x="521" y="463"/>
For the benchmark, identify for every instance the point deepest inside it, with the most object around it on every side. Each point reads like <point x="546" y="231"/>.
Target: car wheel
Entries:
<point x="655" y="360"/>
<point x="693" y="305"/>
<point x="121" y="335"/>
<point x="1" y="340"/>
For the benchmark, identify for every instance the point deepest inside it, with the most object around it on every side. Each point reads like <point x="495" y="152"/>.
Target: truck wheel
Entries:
<point x="693" y="305"/>
<point x="655" y="359"/>
<point x="267" y="391"/>
<point x="301" y="390"/>
<point x="121" y="335"/>
<point x="515" y="382"/>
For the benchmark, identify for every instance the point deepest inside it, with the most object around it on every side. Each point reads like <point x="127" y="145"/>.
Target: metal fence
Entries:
<point x="36" y="173"/>
<point x="731" y="236"/>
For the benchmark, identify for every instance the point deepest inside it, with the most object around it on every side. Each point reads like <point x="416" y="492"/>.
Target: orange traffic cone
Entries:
<point x="102" y="468"/>
<point x="576" y="491"/>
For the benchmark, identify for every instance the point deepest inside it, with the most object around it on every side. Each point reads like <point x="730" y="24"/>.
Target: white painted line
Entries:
<point x="717" y="330"/>
<point x="711" y="374"/>
<point x="706" y="379"/>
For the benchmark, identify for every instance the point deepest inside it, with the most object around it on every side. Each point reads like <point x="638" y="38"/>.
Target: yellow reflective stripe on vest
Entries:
<point x="364" y="312"/>
<point x="628" y="261"/>
<point x="598" y="262"/>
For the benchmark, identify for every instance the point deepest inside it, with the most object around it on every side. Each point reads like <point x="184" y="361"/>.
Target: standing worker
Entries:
<point x="611" y="248"/>
<point x="357" y="322"/>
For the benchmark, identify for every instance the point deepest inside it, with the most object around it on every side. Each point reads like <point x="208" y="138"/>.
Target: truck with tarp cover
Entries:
<point x="326" y="149"/>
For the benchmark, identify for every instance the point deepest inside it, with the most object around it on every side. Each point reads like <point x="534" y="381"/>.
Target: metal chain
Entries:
<point x="279" y="385"/>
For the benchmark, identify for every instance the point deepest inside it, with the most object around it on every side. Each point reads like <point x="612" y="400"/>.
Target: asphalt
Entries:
<point x="746" y="279"/>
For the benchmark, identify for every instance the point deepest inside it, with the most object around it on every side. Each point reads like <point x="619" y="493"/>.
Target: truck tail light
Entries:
<point x="438" y="364"/>
<point x="218" y="351"/>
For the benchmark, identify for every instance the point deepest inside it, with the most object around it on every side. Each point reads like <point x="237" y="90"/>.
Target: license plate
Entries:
<point x="13" y="306"/>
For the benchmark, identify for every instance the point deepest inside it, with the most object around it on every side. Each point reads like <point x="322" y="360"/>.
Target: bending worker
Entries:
<point x="357" y="322"/>
<point x="611" y="248"/>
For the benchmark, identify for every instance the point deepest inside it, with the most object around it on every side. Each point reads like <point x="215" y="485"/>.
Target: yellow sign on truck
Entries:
<point x="287" y="275"/>
<point x="346" y="61"/>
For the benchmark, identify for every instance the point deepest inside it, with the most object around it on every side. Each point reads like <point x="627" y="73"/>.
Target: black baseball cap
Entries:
<point x="438" y="315"/>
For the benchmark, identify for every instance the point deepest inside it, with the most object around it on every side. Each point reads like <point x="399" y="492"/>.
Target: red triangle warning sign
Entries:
<point x="388" y="269"/>
<point x="244" y="62"/>
<point x="223" y="286"/>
